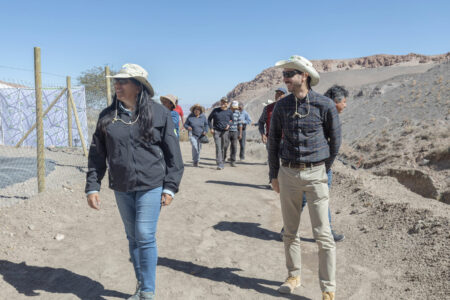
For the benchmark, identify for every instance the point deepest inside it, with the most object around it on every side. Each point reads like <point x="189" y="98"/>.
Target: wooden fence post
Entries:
<point x="69" y="112"/>
<point x="108" y="86"/>
<point x="77" y="120"/>
<point x="45" y="113"/>
<point x="39" y="120"/>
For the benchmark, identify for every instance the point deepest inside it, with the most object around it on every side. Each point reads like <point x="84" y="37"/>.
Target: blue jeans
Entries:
<point x="196" y="147"/>
<point x="140" y="213"/>
<point x="330" y="177"/>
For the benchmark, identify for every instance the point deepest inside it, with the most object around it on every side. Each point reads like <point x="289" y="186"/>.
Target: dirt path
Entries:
<point x="218" y="240"/>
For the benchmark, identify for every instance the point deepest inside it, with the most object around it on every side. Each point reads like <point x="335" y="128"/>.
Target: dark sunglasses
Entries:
<point x="290" y="74"/>
<point x="121" y="81"/>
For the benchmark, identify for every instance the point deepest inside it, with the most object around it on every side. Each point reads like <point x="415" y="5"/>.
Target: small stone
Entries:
<point x="44" y="248"/>
<point x="59" y="237"/>
<point x="338" y="212"/>
<point x="31" y="227"/>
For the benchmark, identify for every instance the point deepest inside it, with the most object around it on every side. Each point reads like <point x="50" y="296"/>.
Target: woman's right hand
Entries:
<point x="94" y="201"/>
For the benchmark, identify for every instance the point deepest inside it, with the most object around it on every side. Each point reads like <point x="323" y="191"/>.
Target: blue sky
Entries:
<point x="200" y="50"/>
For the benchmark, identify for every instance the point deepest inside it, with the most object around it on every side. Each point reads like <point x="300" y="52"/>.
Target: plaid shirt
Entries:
<point x="313" y="138"/>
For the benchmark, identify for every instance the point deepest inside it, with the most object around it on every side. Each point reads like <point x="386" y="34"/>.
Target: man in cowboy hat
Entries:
<point x="308" y="125"/>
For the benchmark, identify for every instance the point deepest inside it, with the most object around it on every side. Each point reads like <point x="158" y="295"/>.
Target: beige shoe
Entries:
<point x="328" y="296"/>
<point x="289" y="285"/>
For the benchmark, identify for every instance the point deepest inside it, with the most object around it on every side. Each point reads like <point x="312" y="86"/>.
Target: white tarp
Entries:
<point x="18" y="114"/>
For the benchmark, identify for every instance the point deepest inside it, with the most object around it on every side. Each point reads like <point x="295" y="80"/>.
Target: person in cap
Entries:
<point x="305" y="135"/>
<point x="245" y="121"/>
<point x="219" y="121"/>
<point x="264" y="119"/>
<point x="235" y="134"/>
<point x="169" y="101"/>
<point x="197" y="126"/>
<point x="339" y="95"/>
<point x="135" y="140"/>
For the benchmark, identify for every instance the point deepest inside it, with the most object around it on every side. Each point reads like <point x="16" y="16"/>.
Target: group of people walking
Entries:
<point x="228" y="125"/>
<point x="136" y="139"/>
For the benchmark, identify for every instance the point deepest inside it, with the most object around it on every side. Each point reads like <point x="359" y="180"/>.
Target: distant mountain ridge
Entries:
<point x="271" y="77"/>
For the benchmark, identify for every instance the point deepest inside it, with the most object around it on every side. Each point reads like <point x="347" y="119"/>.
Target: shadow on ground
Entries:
<point x="252" y="230"/>
<point x="226" y="275"/>
<point x="28" y="280"/>
<point x="231" y="183"/>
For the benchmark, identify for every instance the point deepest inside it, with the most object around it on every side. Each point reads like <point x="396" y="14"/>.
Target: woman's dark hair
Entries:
<point x="336" y="93"/>
<point x="143" y="109"/>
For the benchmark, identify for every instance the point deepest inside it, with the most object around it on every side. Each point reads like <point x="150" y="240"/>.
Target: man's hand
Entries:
<point x="275" y="185"/>
<point x="212" y="131"/>
<point x="94" y="201"/>
<point x="240" y="137"/>
<point x="264" y="138"/>
<point x="228" y="127"/>
<point x="190" y="128"/>
<point x="166" y="199"/>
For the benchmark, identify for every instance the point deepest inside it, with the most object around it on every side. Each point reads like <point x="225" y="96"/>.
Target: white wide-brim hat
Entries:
<point x="302" y="64"/>
<point x="136" y="72"/>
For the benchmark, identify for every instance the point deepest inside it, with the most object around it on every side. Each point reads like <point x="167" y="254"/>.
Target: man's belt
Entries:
<point x="302" y="166"/>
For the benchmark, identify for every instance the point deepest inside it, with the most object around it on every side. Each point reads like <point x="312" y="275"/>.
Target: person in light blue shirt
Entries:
<point x="245" y="120"/>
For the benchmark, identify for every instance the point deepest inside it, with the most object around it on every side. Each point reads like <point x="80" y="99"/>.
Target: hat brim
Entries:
<point x="289" y="64"/>
<point x="142" y="80"/>
<point x="167" y="98"/>
<point x="195" y="106"/>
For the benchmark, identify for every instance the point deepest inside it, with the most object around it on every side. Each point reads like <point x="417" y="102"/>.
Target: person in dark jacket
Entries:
<point x="305" y="134"/>
<point x="197" y="125"/>
<point x="220" y="121"/>
<point x="135" y="140"/>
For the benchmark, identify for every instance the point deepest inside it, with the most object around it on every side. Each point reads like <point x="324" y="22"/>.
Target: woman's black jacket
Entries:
<point x="133" y="163"/>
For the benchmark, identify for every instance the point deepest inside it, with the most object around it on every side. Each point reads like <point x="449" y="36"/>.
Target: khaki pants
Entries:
<point x="313" y="182"/>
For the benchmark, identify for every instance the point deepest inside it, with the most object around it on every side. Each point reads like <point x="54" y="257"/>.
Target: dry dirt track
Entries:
<point x="218" y="240"/>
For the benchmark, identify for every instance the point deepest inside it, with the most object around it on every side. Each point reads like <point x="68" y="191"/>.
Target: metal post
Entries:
<point x="69" y="112"/>
<point x="39" y="120"/>
<point x="108" y="86"/>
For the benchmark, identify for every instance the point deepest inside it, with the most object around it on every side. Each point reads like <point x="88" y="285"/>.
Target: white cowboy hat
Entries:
<point x="136" y="72"/>
<point x="302" y="64"/>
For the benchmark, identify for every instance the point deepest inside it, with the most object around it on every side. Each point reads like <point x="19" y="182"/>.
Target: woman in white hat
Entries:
<point x="135" y="140"/>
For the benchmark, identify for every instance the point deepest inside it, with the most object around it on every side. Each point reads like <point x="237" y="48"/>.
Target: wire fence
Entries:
<point x="67" y="126"/>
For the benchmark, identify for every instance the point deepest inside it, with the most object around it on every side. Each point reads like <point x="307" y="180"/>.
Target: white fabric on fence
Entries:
<point x="18" y="114"/>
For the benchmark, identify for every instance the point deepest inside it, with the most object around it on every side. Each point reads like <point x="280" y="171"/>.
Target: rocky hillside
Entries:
<point x="271" y="77"/>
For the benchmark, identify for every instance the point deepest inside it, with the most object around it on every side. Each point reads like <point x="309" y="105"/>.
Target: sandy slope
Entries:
<point x="218" y="240"/>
